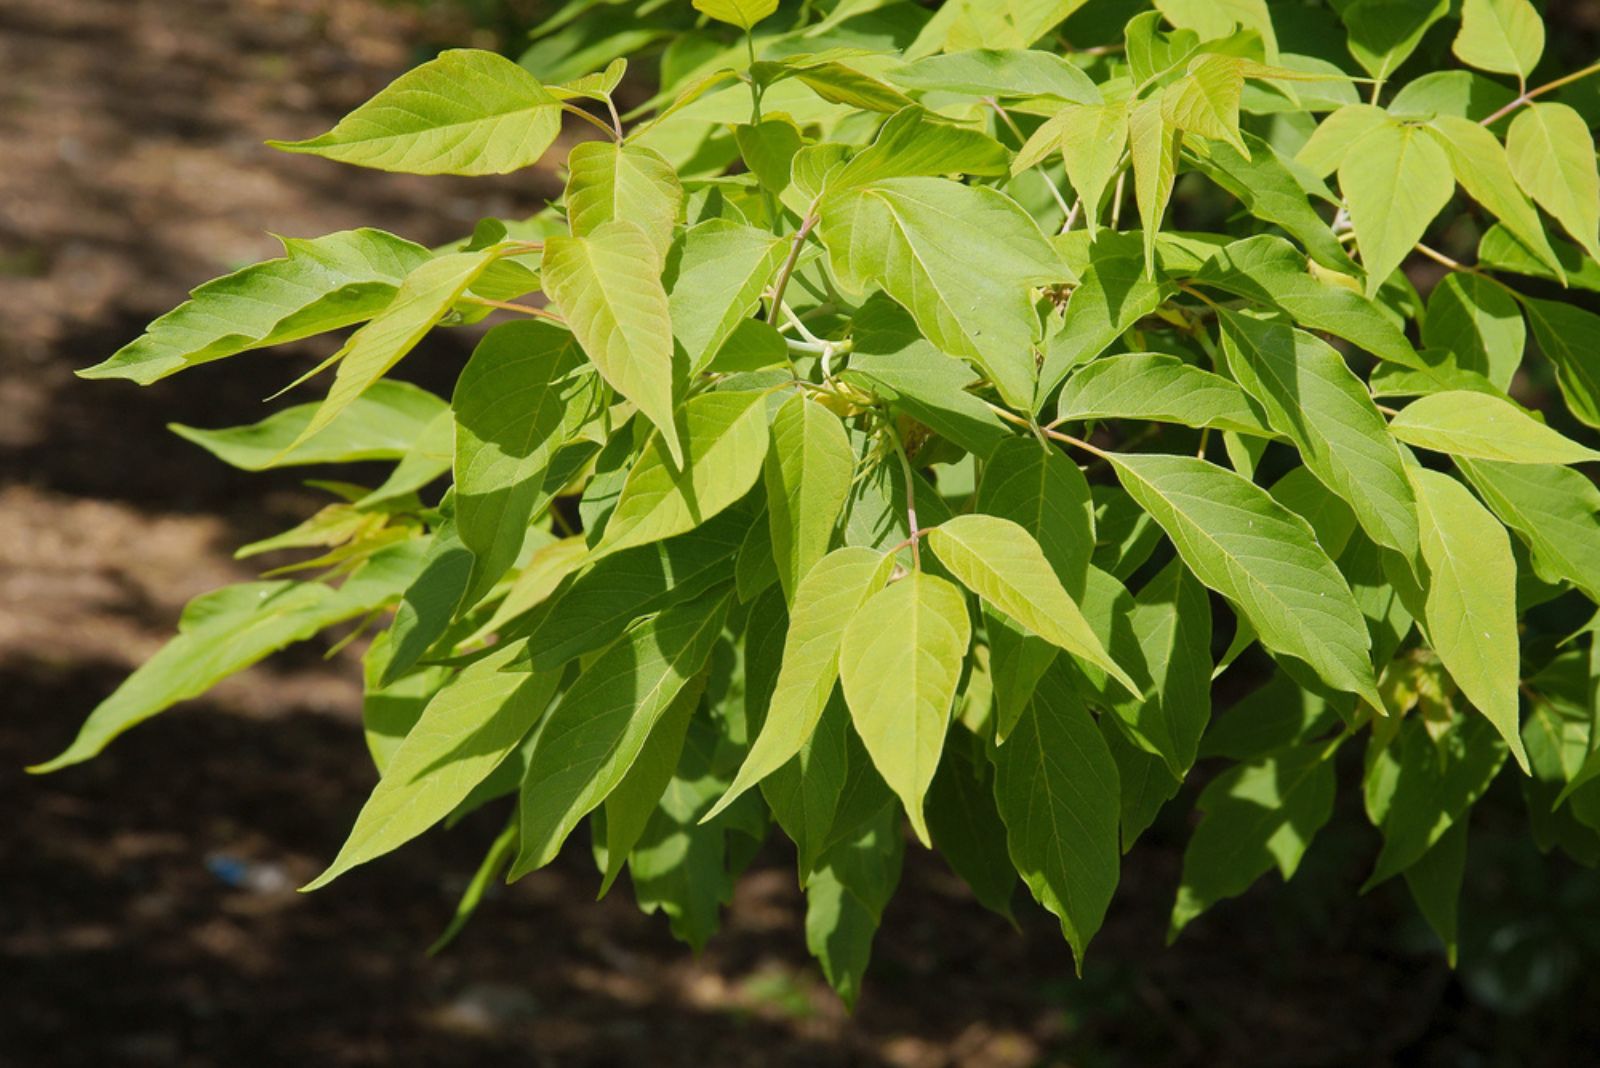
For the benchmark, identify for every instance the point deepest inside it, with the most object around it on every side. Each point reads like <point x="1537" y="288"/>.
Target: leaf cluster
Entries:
<point x="908" y="412"/>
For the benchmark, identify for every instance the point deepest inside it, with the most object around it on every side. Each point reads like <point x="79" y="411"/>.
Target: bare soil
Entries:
<point x="131" y="169"/>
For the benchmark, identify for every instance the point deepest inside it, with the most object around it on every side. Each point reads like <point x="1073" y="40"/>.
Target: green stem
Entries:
<point x="911" y="492"/>
<point x="614" y="134"/>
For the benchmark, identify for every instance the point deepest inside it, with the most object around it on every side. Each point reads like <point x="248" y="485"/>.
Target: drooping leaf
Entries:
<point x="595" y="732"/>
<point x="717" y="278"/>
<point x="724" y="441"/>
<point x="608" y="285"/>
<point x="918" y="237"/>
<point x="1435" y="885"/>
<point x="468" y="111"/>
<point x="967" y="829"/>
<point x="1255" y="816"/>
<point x="1394" y="186"/>
<point x="1479" y="426"/>
<point x="1156" y="386"/>
<point x="522" y="396"/>
<point x="1504" y="36"/>
<point x="845" y="900"/>
<point x="318" y="285"/>
<point x="1057" y="791"/>
<point x="224" y="632"/>
<point x="1554" y="510"/>
<point x="807" y="471"/>
<point x="607" y="181"/>
<point x="383" y="424"/>
<point x="828" y="597"/>
<point x="741" y="13"/>
<point x="999" y="73"/>
<point x="1312" y="397"/>
<point x="1000" y="562"/>
<point x="899" y="664"/>
<point x="1153" y="150"/>
<point x="1551" y="152"/>
<point x="1471" y="600"/>
<point x="1261" y="557"/>
<point x="1479" y="323"/>
<point x="465" y="732"/>
<point x="1569" y="337"/>
<point x="1479" y="162"/>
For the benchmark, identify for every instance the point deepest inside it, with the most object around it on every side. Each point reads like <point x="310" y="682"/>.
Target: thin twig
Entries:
<point x="1022" y="139"/>
<point x="524" y="309"/>
<point x="571" y="109"/>
<point x="911" y="493"/>
<point x="806" y="226"/>
<point x="1529" y="96"/>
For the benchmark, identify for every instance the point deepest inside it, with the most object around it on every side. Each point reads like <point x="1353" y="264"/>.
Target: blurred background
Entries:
<point x="147" y="914"/>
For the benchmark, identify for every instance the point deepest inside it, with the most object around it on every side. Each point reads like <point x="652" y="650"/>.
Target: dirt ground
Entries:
<point x="131" y="169"/>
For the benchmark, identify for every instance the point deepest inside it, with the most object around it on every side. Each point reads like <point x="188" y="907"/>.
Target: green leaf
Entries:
<point x="1262" y="558"/>
<point x="1042" y="491"/>
<point x="1113" y="294"/>
<point x="1091" y="140"/>
<point x="629" y="808"/>
<point x="1171" y="620"/>
<point x="838" y="83"/>
<point x="1155" y="386"/>
<point x="1435" y="885"/>
<point x="1384" y="33"/>
<point x="598" y="604"/>
<point x="318" y="285"/>
<point x="608" y="285"/>
<point x="899" y="664"/>
<point x="741" y="13"/>
<point x="914" y="143"/>
<point x="828" y="597"/>
<point x="1569" y="337"/>
<point x="593" y="735"/>
<point x="1337" y="136"/>
<point x="919" y="237"/>
<point x="523" y="395"/>
<point x="1504" y="36"/>
<point x="1205" y="101"/>
<point x="963" y="24"/>
<point x="724" y="441"/>
<point x="1000" y="562"/>
<point x="1483" y="427"/>
<point x="423" y="299"/>
<point x="1479" y="162"/>
<point x="1313" y="398"/>
<point x="1271" y="189"/>
<point x="999" y="73"/>
<point x="1254" y="816"/>
<point x="1394" y="187"/>
<point x="845" y="900"/>
<point x="607" y="181"/>
<point x="804" y="793"/>
<point x="1501" y="250"/>
<point x="1435" y="786"/>
<point x="465" y="732"/>
<point x="1144" y="781"/>
<point x="1551" y="152"/>
<point x="429" y="604"/>
<point x="1479" y="323"/>
<point x="1553" y="510"/>
<point x="1056" y="788"/>
<point x="383" y="424"/>
<point x="967" y="829"/>
<point x="1213" y="19"/>
<point x="465" y="112"/>
<point x="1153" y="150"/>
<point x="715" y="282"/>
<point x="808" y="471"/>
<point x="221" y="633"/>
<point x="1471" y="600"/>
<point x="1270" y="270"/>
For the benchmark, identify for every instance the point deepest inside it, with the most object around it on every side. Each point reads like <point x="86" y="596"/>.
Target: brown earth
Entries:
<point x="132" y="168"/>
